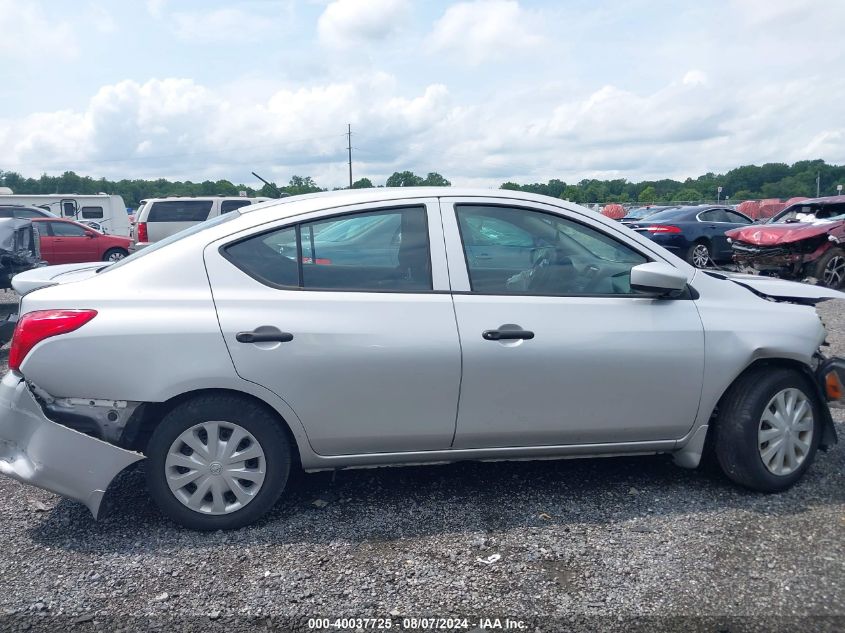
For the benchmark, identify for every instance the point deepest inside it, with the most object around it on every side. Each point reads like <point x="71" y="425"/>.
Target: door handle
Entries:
<point x="507" y="335"/>
<point x="264" y="334"/>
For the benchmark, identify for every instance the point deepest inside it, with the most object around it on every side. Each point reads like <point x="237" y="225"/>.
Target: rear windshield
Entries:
<point x="193" y="230"/>
<point x="668" y="214"/>
<point x="179" y="211"/>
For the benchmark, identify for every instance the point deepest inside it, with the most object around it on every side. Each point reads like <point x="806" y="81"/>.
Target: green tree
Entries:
<point x="647" y="195"/>
<point x="433" y="179"/>
<point x="362" y="183"/>
<point x="299" y="185"/>
<point x="572" y="193"/>
<point x="404" y="179"/>
<point x="687" y="194"/>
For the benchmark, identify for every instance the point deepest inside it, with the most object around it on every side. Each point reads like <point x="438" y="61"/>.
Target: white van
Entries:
<point x="162" y="217"/>
<point x="102" y="211"/>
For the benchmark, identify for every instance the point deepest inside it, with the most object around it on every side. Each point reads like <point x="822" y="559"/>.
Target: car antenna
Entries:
<point x="281" y="194"/>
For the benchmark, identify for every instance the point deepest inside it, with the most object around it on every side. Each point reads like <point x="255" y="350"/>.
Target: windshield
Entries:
<point x="197" y="228"/>
<point x="810" y="213"/>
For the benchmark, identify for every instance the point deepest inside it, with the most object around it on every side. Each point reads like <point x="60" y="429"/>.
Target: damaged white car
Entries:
<point x="383" y="327"/>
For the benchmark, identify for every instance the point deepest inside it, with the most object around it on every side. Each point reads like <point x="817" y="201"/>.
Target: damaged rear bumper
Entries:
<point x="37" y="451"/>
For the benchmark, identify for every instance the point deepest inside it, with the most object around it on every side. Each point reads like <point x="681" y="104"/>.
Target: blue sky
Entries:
<point x="482" y="91"/>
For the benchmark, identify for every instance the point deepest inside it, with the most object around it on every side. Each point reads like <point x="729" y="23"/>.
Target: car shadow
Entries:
<point x="388" y="504"/>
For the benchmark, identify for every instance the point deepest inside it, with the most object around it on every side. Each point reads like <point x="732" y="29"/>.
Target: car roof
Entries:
<point x="199" y="198"/>
<point x="294" y="205"/>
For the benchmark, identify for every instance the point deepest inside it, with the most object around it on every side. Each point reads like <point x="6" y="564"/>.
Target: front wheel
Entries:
<point x="115" y="255"/>
<point x="217" y="462"/>
<point x="830" y="269"/>
<point x="768" y="429"/>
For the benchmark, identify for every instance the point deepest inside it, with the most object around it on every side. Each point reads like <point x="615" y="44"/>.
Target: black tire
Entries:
<point x="692" y="256"/>
<point x="740" y="411"/>
<point x="264" y="427"/>
<point x="834" y="259"/>
<point x="107" y="256"/>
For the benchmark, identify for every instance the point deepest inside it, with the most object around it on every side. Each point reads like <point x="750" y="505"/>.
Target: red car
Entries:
<point x="68" y="242"/>
<point x="806" y="239"/>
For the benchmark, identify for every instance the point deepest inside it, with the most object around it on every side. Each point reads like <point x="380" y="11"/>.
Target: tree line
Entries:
<point x="771" y="180"/>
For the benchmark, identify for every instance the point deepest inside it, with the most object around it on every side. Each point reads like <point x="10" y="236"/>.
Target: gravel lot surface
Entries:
<point x="584" y="544"/>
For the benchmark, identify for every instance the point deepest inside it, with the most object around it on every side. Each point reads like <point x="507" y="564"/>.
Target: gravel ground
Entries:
<point x="611" y="544"/>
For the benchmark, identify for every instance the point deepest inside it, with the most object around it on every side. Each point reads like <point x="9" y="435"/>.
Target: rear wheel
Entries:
<point x="768" y="429"/>
<point x="115" y="255"/>
<point x="699" y="254"/>
<point x="830" y="269"/>
<point x="217" y="462"/>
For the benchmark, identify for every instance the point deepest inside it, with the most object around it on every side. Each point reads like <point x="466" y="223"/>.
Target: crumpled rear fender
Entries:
<point x="37" y="451"/>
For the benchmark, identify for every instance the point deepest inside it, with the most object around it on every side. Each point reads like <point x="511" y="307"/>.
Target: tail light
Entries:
<point x="34" y="327"/>
<point x="662" y="228"/>
<point x="141" y="229"/>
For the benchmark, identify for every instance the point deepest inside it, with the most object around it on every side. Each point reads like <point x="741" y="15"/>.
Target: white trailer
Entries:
<point x="108" y="212"/>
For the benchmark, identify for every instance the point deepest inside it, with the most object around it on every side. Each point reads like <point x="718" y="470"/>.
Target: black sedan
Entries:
<point x="695" y="233"/>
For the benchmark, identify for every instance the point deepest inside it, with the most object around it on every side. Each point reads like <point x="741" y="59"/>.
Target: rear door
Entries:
<point x="347" y="316"/>
<point x="717" y="222"/>
<point x="45" y="241"/>
<point x="166" y="217"/>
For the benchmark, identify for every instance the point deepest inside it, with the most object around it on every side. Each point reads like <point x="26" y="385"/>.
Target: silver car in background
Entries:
<point x="402" y="326"/>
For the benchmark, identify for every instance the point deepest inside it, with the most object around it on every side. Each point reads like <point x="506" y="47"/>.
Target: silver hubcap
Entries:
<point x="700" y="256"/>
<point x="116" y="256"/>
<point x="834" y="272"/>
<point x="215" y="467"/>
<point x="786" y="431"/>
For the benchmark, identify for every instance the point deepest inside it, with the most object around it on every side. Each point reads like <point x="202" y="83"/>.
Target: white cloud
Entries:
<point x="220" y="25"/>
<point x="156" y="7"/>
<point x="484" y="30"/>
<point x="695" y="78"/>
<point x="27" y="32"/>
<point x="180" y="129"/>
<point x="347" y="23"/>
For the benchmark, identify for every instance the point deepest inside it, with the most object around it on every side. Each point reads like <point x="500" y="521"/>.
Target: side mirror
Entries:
<point x="658" y="279"/>
<point x="90" y="234"/>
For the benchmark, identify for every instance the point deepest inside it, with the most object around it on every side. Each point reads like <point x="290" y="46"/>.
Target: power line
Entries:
<point x="349" y="148"/>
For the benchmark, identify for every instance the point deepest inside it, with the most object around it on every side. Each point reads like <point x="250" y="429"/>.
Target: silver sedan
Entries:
<point x="402" y="326"/>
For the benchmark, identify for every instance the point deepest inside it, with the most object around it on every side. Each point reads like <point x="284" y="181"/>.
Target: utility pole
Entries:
<point x="818" y="183"/>
<point x="349" y="147"/>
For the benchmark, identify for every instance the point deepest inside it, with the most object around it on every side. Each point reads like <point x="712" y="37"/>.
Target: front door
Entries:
<point x="71" y="244"/>
<point x="340" y="316"/>
<point x="557" y="349"/>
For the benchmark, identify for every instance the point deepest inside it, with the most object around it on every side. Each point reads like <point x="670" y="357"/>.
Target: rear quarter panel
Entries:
<point x="155" y="334"/>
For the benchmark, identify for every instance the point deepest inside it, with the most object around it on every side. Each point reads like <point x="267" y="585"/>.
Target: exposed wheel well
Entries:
<point x="829" y="433"/>
<point x="140" y="426"/>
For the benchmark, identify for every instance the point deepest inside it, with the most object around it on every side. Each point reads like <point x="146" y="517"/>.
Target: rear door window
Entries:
<point x="179" y="211"/>
<point x="372" y="251"/>
<point x="713" y="215"/>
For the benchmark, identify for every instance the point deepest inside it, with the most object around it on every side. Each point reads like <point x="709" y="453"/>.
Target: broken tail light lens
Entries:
<point x="141" y="228"/>
<point x="34" y="327"/>
<point x="662" y="228"/>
